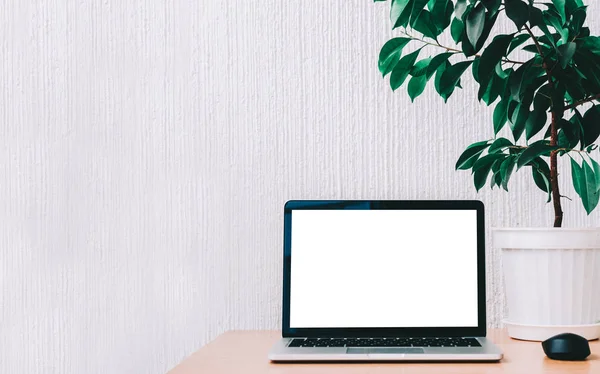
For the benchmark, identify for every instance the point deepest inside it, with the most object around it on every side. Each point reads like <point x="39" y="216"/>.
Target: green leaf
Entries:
<point x="548" y="36"/>
<point x="438" y="76"/>
<point x="585" y="64"/>
<point x="416" y="86"/>
<point x="517" y="11"/>
<point x="480" y="177"/>
<point x="475" y="22"/>
<point x="542" y="177"/>
<point x="542" y="166"/>
<point x="584" y="180"/>
<point x="566" y="53"/>
<point x="498" y="89"/>
<point x="596" y="168"/>
<point x="456" y="29"/>
<point x="554" y="20"/>
<point x="571" y="130"/>
<point x="486" y="160"/>
<point x="475" y="69"/>
<point x="536" y="149"/>
<point x="571" y="5"/>
<point x="511" y="106"/>
<point x="420" y="67"/>
<point x="492" y="5"/>
<point x="541" y="180"/>
<point x="436" y="62"/>
<point x="560" y="7"/>
<point x="484" y="166"/>
<point x="575" y="175"/>
<point x="468" y="158"/>
<point x="520" y="79"/>
<point x="400" y="13"/>
<point x="592" y="188"/>
<point x="417" y="9"/>
<point x="573" y="84"/>
<point x="441" y="14"/>
<point x="390" y="54"/>
<point x="493" y="55"/>
<point x="535" y="15"/>
<point x="562" y="141"/>
<point x="501" y="72"/>
<point x="495" y="88"/>
<point x="469" y="50"/>
<point x="500" y="116"/>
<point x="591" y="126"/>
<point x="543" y="98"/>
<point x="591" y="43"/>
<point x="496" y="178"/>
<point x="535" y="123"/>
<point x="506" y="169"/>
<point x="558" y="97"/>
<point x="577" y="122"/>
<point x="531" y="84"/>
<point x="499" y="144"/>
<point x="451" y="77"/>
<point x="578" y="20"/>
<point x="402" y="69"/>
<point x="485" y="87"/>
<point x="424" y="25"/>
<point x="518" y="118"/>
<point x="517" y="41"/>
<point x="516" y="81"/>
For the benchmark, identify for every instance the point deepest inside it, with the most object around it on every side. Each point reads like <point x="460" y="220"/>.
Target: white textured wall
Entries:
<point x="147" y="148"/>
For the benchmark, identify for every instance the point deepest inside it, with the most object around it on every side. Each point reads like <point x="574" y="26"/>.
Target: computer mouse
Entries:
<point x="567" y="347"/>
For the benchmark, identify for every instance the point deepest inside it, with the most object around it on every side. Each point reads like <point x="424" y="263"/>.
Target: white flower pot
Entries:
<point x="552" y="281"/>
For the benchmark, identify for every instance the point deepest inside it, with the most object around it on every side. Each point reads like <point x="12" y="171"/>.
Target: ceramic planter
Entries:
<point x="552" y="281"/>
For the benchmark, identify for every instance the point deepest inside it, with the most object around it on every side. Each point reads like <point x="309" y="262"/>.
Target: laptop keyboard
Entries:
<point x="385" y="342"/>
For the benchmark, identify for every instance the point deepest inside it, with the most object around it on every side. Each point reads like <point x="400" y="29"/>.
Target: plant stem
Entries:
<point x="450" y="49"/>
<point x="558" y="213"/>
<point x="583" y="101"/>
<point x="571" y="150"/>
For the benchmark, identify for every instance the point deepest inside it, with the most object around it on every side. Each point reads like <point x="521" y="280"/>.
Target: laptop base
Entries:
<point x="282" y="353"/>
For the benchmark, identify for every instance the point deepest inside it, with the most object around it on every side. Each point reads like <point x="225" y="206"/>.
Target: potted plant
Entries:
<point x="544" y="108"/>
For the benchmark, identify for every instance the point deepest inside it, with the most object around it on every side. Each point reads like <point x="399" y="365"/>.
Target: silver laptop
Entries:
<point x="384" y="281"/>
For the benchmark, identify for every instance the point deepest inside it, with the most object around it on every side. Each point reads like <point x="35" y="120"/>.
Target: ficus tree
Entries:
<point x="548" y="100"/>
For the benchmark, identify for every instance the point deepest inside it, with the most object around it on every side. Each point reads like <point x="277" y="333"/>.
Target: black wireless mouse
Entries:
<point x="567" y="347"/>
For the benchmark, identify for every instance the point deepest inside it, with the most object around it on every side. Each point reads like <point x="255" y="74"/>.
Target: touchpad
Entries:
<point x="384" y="350"/>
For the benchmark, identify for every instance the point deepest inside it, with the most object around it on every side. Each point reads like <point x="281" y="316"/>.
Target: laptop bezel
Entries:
<point x="478" y="331"/>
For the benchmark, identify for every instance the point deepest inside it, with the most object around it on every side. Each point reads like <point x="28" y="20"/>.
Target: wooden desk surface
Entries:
<point x="246" y="352"/>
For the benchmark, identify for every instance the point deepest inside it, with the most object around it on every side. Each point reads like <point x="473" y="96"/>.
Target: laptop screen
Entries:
<point x="383" y="268"/>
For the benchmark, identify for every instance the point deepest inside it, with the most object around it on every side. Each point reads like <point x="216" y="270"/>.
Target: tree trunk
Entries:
<point x="558" y="213"/>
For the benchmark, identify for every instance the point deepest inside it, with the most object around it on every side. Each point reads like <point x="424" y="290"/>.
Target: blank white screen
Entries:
<point x="383" y="268"/>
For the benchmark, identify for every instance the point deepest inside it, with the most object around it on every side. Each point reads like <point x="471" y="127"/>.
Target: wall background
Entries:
<point x="147" y="148"/>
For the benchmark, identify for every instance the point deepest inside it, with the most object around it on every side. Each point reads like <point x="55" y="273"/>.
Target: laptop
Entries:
<point x="384" y="281"/>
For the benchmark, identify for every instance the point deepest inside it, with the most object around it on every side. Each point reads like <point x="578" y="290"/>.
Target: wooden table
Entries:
<point x="246" y="352"/>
